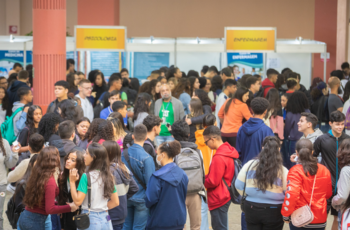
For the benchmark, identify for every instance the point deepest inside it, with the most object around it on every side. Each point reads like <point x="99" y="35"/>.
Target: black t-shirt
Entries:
<point x="23" y="137"/>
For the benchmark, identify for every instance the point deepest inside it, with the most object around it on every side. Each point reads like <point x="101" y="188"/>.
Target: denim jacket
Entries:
<point x="142" y="165"/>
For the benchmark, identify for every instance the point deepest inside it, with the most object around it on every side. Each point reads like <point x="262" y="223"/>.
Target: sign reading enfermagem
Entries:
<point x="100" y="38"/>
<point x="250" y="39"/>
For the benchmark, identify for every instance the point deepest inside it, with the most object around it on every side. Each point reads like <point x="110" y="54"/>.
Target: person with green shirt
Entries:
<point x="170" y="110"/>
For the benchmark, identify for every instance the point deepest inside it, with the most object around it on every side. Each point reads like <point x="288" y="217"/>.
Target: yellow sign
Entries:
<point x="103" y="38"/>
<point x="254" y="39"/>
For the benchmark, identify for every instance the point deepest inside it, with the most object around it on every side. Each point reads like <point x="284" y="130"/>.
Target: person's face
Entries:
<point x="3" y="83"/>
<point x="18" y="69"/>
<point x="60" y="91"/>
<point x="178" y="73"/>
<point x="83" y="127"/>
<point x="209" y="142"/>
<point x="259" y="80"/>
<point x="86" y="89"/>
<point x="76" y="79"/>
<point x="118" y="84"/>
<point x="232" y="89"/>
<point x="87" y="158"/>
<point x="165" y="92"/>
<point x="207" y="86"/>
<point x="71" y="161"/>
<point x="29" y="96"/>
<point x="125" y="75"/>
<point x="284" y="101"/>
<point x="171" y="85"/>
<point x="162" y="74"/>
<point x="236" y="71"/>
<point x="114" y="99"/>
<point x="157" y="88"/>
<point x="245" y="97"/>
<point x="303" y="124"/>
<point x="347" y="71"/>
<point x="71" y="68"/>
<point x="2" y="94"/>
<point x="123" y="111"/>
<point x="163" y="81"/>
<point x="196" y="84"/>
<point x="98" y="80"/>
<point x="255" y="87"/>
<point x="157" y="130"/>
<point x="274" y="78"/>
<point x="337" y="127"/>
<point x="37" y="115"/>
<point x="160" y="156"/>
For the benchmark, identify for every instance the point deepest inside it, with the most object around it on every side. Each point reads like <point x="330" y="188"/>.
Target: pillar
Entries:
<point x="342" y="32"/>
<point x="49" y="48"/>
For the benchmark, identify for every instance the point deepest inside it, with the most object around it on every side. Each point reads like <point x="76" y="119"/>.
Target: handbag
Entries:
<point x="244" y="196"/>
<point x="82" y="221"/>
<point x="303" y="215"/>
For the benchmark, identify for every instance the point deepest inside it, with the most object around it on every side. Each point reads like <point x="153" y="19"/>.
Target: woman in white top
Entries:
<point x="141" y="108"/>
<point x="4" y="104"/>
<point x="104" y="195"/>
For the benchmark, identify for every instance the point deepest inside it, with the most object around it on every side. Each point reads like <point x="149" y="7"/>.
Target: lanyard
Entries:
<point x="166" y="106"/>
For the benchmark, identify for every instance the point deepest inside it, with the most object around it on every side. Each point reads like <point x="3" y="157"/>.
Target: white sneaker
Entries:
<point x="11" y="188"/>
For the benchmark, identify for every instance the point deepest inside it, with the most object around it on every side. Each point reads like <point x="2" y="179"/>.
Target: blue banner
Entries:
<point x="146" y="62"/>
<point x="9" y="57"/>
<point x="106" y="62"/>
<point x="246" y="63"/>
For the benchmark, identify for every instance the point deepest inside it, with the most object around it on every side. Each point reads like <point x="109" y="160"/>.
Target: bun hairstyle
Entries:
<point x="171" y="149"/>
<point x="306" y="159"/>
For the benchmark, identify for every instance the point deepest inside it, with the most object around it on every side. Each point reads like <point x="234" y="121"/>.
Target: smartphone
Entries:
<point x="15" y="143"/>
<point x="168" y="125"/>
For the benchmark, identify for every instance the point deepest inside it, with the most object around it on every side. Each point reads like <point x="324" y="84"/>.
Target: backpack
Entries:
<point x="191" y="162"/>
<point x="261" y="91"/>
<point x="7" y="130"/>
<point x="235" y="196"/>
<point x="13" y="212"/>
<point x="347" y="119"/>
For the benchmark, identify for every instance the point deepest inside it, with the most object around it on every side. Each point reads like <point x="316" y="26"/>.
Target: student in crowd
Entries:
<point x="270" y="81"/>
<point x="328" y="145"/>
<point x="296" y="105"/>
<point x="172" y="83"/>
<point x="84" y="93"/>
<point x="142" y="166"/>
<point x="36" y="143"/>
<point x="253" y="84"/>
<point x="196" y="110"/>
<point x="70" y="66"/>
<point x="232" y="113"/>
<point x="194" y="84"/>
<point x="141" y="108"/>
<point x="81" y="129"/>
<point x="17" y="67"/>
<point x="204" y="70"/>
<point x="174" y="72"/>
<point x="345" y="67"/>
<point x="114" y="83"/>
<point x="265" y="187"/>
<point x="221" y="168"/>
<point x="300" y="87"/>
<point x="225" y="74"/>
<point x="195" y="191"/>
<point x="284" y="99"/>
<point x="48" y="127"/>
<point x="119" y="132"/>
<point x="103" y="190"/>
<point x="118" y="116"/>
<point x="152" y="124"/>
<point x="253" y="131"/>
<point x="212" y="71"/>
<point x="334" y="102"/>
<point x="73" y="81"/>
<point x="154" y="89"/>
<point x="319" y="95"/>
<point x="230" y="87"/>
<point x="34" y="116"/>
<point x="66" y="110"/>
<point x="169" y="109"/>
<point x="167" y="190"/>
<point x="207" y="106"/>
<point x="23" y="78"/>
<point x="105" y="132"/>
<point x="93" y="129"/>
<point x="99" y="87"/>
<point x="113" y="97"/>
<point x="20" y="109"/>
<point x="281" y="85"/>
<point x="121" y="107"/>
<point x="4" y="104"/>
<point x="61" y="93"/>
<point x="130" y="93"/>
<point x="274" y="115"/>
<point x="307" y="126"/>
<point x="73" y="160"/>
<point x="309" y="183"/>
<point x="216" y="85"/>
<point x="292" y="85"/>
<point x="192" y="73"/>
<point x="124" y="73"/>
<point x="124" y="182"/>
<point x="41" y="190"/>
<point x="182" y="92"/>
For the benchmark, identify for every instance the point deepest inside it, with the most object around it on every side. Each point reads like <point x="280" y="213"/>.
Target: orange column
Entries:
<point x="49" y="48"/>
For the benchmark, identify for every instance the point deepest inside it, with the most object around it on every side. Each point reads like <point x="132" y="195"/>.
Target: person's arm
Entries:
<point x="216" y="173"/>
<point x="221" y="113"/>
<point x="241" y="178"/>
<point x="340" y="109"/>
<point x="17" y="174"/>
<point x="50" y="206"/>
<point x="78" y="195"/>
<point x="20" y="123"/>
<point x="238" y="142"/>
<point x="11" y="157"/>
<point x="292" y="193"/>
<point x="185" y="102"/>
<point x="181" y="112"/>
<point x="199" y="119"/>
<point x="246" y="113"/>
<point x="133" y="188"/>
<point x="149" y="169"/>
<point x="114" y="201"/>
<point x="343" y="190"/>
<point x="317" y="146"/>
<point x="124" y="97"/>
<point x="152" y="192"/>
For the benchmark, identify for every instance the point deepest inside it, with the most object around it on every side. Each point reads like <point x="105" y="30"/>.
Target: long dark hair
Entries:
<point x="297" y="103"/>
<point x="78" y="122"/>
<point x="141" y="104"/>
<point x="26" y="174"/>
<point x="5" y="100"/>
<point x="344" y="153"/>
<point x="238" y="95"/>
<point x="270" y="163"/>
<point x="346" y="91"/>
<point x="68" y="111"/>
<point x="30" y="118"/>
<point x="48" y="125"/>
<point x="92" y="131"/>
<point x="315" y="82"/>
<point x="216" y="83"/>
<point x="280" y="81"/>
<point x="103" y="81"/>
<point x="182" y="86"/>
<point x="80" y="166"/>
<point x="192" y="80"/>
<point x="306" y="159"/>
<point x="203" y="96"/>
<point x="105" y="131"/>
<point x="70" y="79"/>
<point x="274" y="99"/>
<point x="171" y="72"/>
<point x="120" y="117"/>
<point x="101" y="163"/>
<point x="115" y="156"/>
<point x="316" y="92"/>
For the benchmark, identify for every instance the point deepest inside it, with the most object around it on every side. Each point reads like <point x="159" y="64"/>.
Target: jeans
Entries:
<point x="2" y="202"/>
<point x="243" y="222"/>
<point x="137" y="216"/>
<point x="98" y="221"/>
<point x="160" y="139"/>
<point x="204" y="208"/>
<point x="118" y="227"/>
<point x="32" y="221"/>
<point x="219" y="217"/>
<point x="48" y="224"/>
<point x="56" y="222"/>
<point x="292" y="227"/>
<point x="288" y="148"/>
<point x="263" y="216"/>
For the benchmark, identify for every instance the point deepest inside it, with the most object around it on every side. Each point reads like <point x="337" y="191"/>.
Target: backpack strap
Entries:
<point x="126" y="156"/>
<point x="149" y="143"/>
<point x="89" y="190"/>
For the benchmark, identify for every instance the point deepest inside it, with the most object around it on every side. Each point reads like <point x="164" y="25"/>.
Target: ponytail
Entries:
<point x="172" y="148"/>
<point x="306" y="159"/>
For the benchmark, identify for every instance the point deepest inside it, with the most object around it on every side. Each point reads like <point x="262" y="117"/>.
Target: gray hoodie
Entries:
<point x="18" y="120"/>
<point x="312" y="137"/>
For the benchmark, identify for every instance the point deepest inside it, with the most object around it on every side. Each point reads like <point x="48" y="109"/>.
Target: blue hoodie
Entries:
<point x="250" y="138"/>
<point x="165" y="197"/>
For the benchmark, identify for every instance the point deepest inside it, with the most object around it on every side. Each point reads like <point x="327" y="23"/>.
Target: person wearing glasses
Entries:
<point x="85" y="92"/>
<point x="3" y="82"/>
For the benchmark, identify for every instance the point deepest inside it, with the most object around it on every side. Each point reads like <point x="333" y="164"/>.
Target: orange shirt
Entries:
<point x="207" y="153"/>
<point x="234" y="117"/>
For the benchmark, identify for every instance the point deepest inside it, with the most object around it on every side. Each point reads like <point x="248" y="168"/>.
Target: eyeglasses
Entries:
<point x="87" y="88"/>
<point x="206" y="142"/>
<point x="84" y="126"/>
<point x="4" y="83"/>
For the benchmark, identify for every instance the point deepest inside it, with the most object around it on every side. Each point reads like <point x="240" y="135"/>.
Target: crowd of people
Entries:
<point x="120" y="155"/>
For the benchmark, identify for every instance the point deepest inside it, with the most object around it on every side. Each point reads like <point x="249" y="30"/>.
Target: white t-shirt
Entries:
<point x="87" y="108"/>
<point x="219" y="102"/>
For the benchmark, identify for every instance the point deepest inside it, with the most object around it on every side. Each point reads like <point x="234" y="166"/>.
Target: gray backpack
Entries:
<point x="191" y="162"/>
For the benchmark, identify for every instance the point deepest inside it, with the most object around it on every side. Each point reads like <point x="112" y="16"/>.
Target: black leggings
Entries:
<point x="230" y="140"/>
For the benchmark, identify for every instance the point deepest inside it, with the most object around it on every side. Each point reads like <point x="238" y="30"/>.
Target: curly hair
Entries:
<point x="141" y="104"/>
<point x="30" y="118"/>
<point x="171" y="149"/>
<point x="297" y="103"/>
<point x="92" y="131"/>
<point x="47" y="164"/>
<point x="203" y="96"/>
<point x="48" y="125"/>
<point x="68" y="111"/>
<point x="270" y="164"/>
<point x="346" y="91"/>
<point x="5" y="101"/>
<point x="105" y="131"/>
<point x="344" y="153"/>
<point x="306" y="159"/>
<point x="182" y="86"/>
<point x="180" y="130"/>
<point x="216" y="83"/>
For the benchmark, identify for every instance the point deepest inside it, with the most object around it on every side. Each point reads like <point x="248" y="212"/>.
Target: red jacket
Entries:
<point x="222" y="166"/>
<point x="268" y="84"/>
<point x="299" y="189"/>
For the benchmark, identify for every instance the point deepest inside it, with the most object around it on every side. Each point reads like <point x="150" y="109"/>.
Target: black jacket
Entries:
<point x="320" y="109"/>
<point x="307" y="94"/>
<point x="328" y="146"/>
<point x="150" y="148"/>
<point x="12" y="91"/>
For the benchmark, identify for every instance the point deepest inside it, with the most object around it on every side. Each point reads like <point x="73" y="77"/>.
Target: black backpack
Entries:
<point x="235" y="196"/>
<point x="13" y="212"/>
<point x="261" y="91"/>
